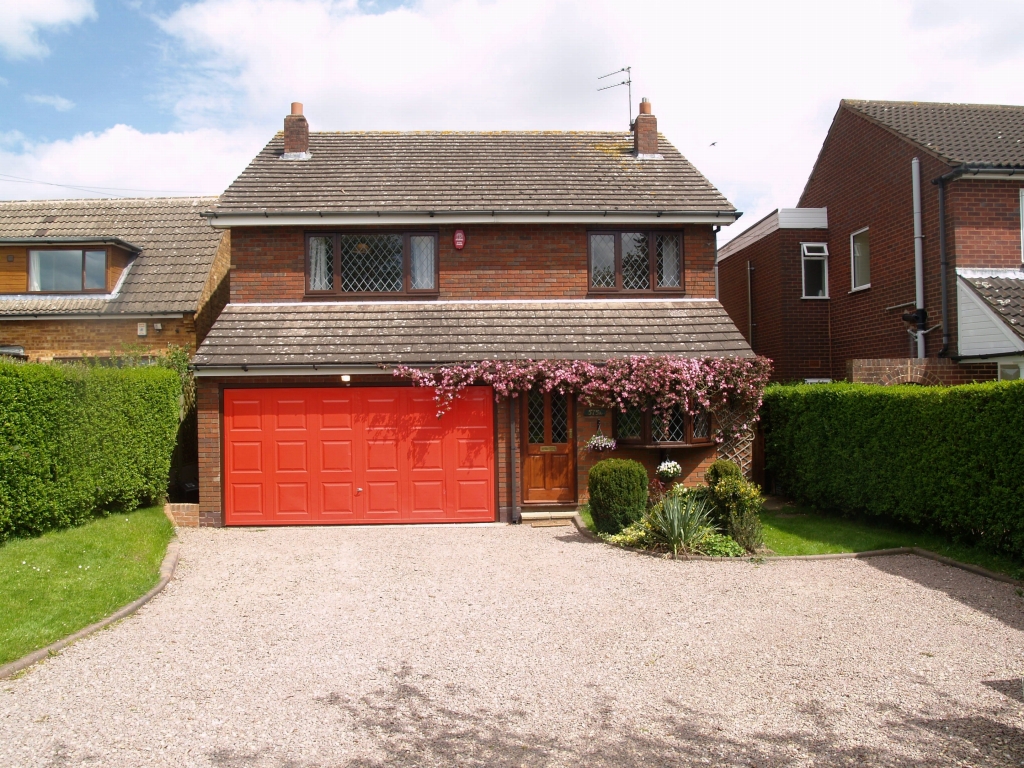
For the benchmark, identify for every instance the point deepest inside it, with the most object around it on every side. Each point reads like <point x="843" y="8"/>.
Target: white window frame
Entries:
<point x="855" y="288"/>
<point x="804" y="256"/>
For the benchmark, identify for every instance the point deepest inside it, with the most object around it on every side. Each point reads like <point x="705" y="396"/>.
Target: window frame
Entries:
<point x="652" y="262"/>
<point x="82" y="250"/>
<point x="853" y="270"/>
<point x="1022" y="225"/>
<point x="646" y="441"/>
<point x="407" y="289"/>
<point x="804" y="256"/>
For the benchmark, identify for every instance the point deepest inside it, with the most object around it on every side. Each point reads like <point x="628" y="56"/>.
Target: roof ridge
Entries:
<point x="957" y="104"/>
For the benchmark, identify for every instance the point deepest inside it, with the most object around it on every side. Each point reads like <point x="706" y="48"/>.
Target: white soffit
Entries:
<point x="781" y="218"/>
<point x="980" y="329"/>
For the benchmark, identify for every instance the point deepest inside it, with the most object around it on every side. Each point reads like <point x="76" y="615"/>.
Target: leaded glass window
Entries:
<point x="668" y="261"/>
<point x="559" y="418"/>
<point x="670" y="430"/>
<point x="374" y="262"/>
<point x="629" y="424"/>
<point x="636" y="268"/>
<point x="371" y="263"/>
<point x="602" y="261"/>
<point x="421" y="262"/>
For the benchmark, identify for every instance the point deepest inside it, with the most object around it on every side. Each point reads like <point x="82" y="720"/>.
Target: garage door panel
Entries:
<point x="302" y="455"/>
<point x="291" y="455"/>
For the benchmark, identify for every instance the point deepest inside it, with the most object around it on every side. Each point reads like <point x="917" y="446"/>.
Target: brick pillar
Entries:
<point x="208" y="415"/>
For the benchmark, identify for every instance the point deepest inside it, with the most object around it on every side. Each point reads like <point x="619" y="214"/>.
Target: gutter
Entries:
<point x="72" y="241"/>
<point x="244" y="369"/>
<point x="379" y="218"/>
<point x="978" y="171"/>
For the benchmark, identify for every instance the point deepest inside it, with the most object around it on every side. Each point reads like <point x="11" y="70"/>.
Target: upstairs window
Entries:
<point x="371" y="263"/>
<point x="636" y="262"/>
<point x="67" y="271"/>
<point x="860" y="260"/>
<point x="814" y="268"/>
<point x="638" y="427"/>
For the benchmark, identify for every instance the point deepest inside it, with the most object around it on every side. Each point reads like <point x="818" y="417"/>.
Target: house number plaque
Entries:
<point x="595" y="412"/>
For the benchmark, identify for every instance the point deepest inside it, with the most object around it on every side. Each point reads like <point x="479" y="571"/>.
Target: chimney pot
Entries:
<point x="645" y="132"/>
<point x="296" y="134"/>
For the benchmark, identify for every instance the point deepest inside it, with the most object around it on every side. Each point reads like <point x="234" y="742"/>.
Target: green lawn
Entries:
<point x="811" y="533"/>
<point x="60" y="582"/>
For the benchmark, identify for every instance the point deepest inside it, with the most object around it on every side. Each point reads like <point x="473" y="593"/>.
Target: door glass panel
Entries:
<point x="602" y="261"/>
<point x="636" y="275"/>
<point x="559" y="418"/>
<point x="535" y="416"/>
<point x="668" y="261"/>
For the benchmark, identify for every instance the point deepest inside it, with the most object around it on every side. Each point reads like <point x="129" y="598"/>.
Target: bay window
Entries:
<point x="638" y="427"/>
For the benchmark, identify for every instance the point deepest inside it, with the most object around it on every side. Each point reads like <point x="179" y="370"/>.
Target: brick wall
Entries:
<point x="497" y="262"/>
<point x="863" y="177"/>
<point x="790" y="330"/>
<point x="216" y="290"/>
<point x="984" y="223"/>
<point x="694" y="461"/>
<point x="44" y="340"/>
<point x="930" y="371"/>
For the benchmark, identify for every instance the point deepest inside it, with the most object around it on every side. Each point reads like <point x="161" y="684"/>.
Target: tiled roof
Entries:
<point x="178" y="249"/>
<point x="470" y="172"/>
<point x="1006" y="295"/>
<point x="972" y="134"/>
<point x="453" y="331"/>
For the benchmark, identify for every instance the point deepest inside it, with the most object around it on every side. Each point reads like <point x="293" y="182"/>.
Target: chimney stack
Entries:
<point x="645" y="132"/>
<point x="296" y="134"/>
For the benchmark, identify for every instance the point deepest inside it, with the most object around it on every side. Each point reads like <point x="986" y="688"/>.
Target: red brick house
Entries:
<point x="861" y="282"/>
<point x="355" y="252"/>
<point x="87" y="278"/>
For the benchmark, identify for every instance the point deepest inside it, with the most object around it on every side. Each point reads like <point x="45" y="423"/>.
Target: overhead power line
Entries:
<point x="100" y="190"/>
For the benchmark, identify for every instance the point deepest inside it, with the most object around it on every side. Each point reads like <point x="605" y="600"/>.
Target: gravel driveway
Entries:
<point x="518" y="646"/>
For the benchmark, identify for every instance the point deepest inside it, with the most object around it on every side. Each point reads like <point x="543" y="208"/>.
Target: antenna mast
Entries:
<point x="628" y="82"/>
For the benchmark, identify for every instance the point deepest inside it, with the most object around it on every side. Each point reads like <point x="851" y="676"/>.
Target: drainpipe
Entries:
<point x="750" y="305"/>
<point x="942" y="266"/>
<point x="716" y="229"/>
<point x="921" y="315"/>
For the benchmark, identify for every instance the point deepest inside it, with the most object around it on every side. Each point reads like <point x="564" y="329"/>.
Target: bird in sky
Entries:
<point x="712" y="143"/>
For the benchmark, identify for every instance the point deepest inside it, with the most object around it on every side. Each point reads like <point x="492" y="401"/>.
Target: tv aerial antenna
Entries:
<point x="628" y="82"/>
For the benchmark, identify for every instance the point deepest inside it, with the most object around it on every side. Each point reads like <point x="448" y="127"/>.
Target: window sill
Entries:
<point x="342" y="298"/>
<point x="815" y="298"/>
<point x="860" y="288"/>
<point x="673" y="294"/>
<point x="666" y="445"/>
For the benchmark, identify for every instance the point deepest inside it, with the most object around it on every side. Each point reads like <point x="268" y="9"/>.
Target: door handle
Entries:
<point x="359" y="490"/>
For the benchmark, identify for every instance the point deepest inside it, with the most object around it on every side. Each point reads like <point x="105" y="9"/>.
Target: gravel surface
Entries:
<point x="516" y="646"/>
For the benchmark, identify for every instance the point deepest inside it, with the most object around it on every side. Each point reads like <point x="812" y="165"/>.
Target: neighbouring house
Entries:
<point x="94" y="278"/>
<point x="902" y="261"/>
<point x="356" y="252"/>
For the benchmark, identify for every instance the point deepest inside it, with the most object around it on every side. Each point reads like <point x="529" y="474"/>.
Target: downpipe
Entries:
<point x="921" y="316"/>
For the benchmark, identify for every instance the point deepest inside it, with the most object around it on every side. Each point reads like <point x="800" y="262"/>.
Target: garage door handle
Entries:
<point x="359" y="490"/>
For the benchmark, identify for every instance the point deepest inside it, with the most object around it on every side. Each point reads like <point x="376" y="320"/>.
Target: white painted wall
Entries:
<point x="980" y="329"/>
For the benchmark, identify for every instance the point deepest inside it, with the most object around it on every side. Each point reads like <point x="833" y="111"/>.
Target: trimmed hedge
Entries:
<point x="946" y="458"/>
<point x="618" y="493"/>
<point x="77" y="442"/>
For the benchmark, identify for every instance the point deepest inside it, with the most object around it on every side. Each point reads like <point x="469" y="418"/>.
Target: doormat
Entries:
<point x="549" y="523"/>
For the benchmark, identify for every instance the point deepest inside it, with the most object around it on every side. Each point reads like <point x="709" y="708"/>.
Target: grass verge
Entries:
<point x="587" y="518"/>
<point x="56" y="584"/>
<point x="799" y="531"/>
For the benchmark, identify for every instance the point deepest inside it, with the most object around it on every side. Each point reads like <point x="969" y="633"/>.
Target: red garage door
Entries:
<point x="357" y="455"/>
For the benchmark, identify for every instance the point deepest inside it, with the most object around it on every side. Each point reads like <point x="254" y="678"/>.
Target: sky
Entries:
<point x="162" y="97"/>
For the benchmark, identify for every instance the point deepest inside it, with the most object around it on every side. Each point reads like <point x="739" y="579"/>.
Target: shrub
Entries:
<point x="720" y="545"/>
<point x="78" y="441"/>
<point x="681" y="522"/>
<point x="737" y="504"/>
<point x="618" y="493"/>
<point x="946" y="458"/>
<point x="638" y="534"/>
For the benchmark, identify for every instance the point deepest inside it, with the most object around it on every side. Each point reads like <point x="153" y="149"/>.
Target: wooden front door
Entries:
<point x="549" y="448"/>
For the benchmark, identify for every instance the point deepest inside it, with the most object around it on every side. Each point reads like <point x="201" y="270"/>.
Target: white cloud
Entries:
<point x="57" y="102"/>
<point x="124" y="162"/>
<point x="22" y="20"/>
<point x="762" y="80"/>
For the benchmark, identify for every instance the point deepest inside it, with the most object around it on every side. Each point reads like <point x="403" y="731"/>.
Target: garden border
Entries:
<point x="167" y="568"/>
<point x="581" y="527"/>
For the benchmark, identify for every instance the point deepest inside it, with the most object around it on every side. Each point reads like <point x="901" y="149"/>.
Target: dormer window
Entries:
<point x="67" y="271"/>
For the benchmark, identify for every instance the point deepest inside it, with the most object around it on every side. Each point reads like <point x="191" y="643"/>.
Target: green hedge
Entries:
<point x="618" y="493"/>
<point x="947" y="458"/>
<point x="77" y="442"/>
